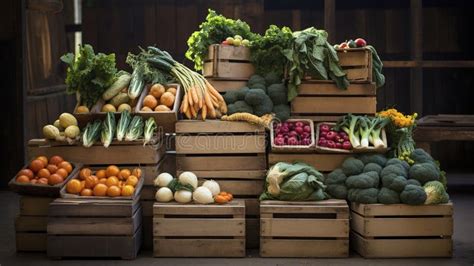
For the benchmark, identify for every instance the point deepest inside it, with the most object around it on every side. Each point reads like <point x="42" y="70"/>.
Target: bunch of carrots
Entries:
<point x="200" y="97"/>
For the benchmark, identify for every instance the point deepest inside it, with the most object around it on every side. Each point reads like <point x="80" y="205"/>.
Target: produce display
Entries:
<point x="159" y="99"/>
<point x="378" y="179"/>
<point x="44" y="171"/>
<point x="293" y="133"/>
<point x="185" y="189"/>
<point x="108" y="182"/>
<point x="362" y="132"/>
<point x="64" y="129"/>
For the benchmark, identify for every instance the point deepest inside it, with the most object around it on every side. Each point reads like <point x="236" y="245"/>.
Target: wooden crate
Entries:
<point x="227" y="61"/>
<point x="223" y="85"/>
<point x="357" y="63"/>
<point x="321" y="162"/>
<point x="193" y="230"/>
<point x="322" y="101"/>
<point x="402" y="231"/>
<point x="94" y="228"/>
<point x="304" y="229"/>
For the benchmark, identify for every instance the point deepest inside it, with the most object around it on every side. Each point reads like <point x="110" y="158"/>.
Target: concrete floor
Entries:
<point x="461" y="191"/>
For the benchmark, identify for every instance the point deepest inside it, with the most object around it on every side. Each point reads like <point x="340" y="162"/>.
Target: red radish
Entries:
<point x="322" y="142"/>
<point x="331" y="135"/>
<point x="306" y="142"/>
<point x="338" y="145"/>
<point x="292" y="141"/>
<point x="331" y="144"/>
<point x="324" y="128"/>
<point x="346" y="145"/>
<point x="299" y="124"/>
<point x="307" y="129"/>
<point x="299" y="130"/>
<point x="279" y="141"/>
<point x="323" y="134"/>
<point x="293" y="134"/>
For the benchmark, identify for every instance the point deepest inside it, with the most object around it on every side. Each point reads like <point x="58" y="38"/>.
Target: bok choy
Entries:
<point x="150" y="127"/>
<point x="123" y="124"/>
<point x="91" y="133"/>
<point x="135" y="129"/>
<point x="108" y="129"/>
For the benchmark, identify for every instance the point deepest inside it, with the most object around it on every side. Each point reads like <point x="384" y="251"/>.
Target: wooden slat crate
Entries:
<point x="94" y="228"/>
<point x="321" y="162"/>
<point x="224" y="85"/>
<point x="192" y="230"/>
<point x="227" y="61"/>
<point x="304" y="229"/>
<point x="402" y="231"/>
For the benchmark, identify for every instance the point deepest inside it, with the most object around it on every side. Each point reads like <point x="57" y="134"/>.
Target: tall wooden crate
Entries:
<point x="304" y="229"/>
<point x="195" y="230"/>
<point x="402" y="231"/>
<point x="233" y="154"/>
<point x="228" y="61"/>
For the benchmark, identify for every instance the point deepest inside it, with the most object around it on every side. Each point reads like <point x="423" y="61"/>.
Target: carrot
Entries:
<point x="199" y="95"/>
<point x="214" y="92"/>
<point x="223" y="107"/>
<point x="193" y="111"/>
<point x="188" y="113"/>
<point x="190" y="98"/>
<point x="204" y="111"/>
<point x="194" y="95"/>
<point x="184" y="104"/>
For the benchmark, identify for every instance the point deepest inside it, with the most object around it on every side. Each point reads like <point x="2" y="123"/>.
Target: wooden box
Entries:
<point x="193" y="230"/>
<point x="224" y="85"/>
<point x="322" y="101"/>
<point x="165" y="120"/>
<point x="321" y="162"/>
<point x="304" y="229"/>
<point x="94" y="228"/>
<point x="402" y="231"/>
<point x="357" y="63"/>
<point x="227" y="61"/>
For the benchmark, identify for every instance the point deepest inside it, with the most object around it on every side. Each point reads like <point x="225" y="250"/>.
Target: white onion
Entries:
<point x="213" y="186"/>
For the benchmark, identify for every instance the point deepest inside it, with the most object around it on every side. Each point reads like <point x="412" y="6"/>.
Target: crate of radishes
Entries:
<point x="293" y="135"/>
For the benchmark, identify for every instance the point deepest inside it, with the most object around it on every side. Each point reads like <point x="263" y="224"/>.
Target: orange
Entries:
<point x="120" y="184"/>
<point x="150" y="101"/>
<point x="55" y="179"/>
<point x="34" y="181"/>
<point x="73" y="186"/>
<point x="124" y="174"/>
<point x="137" y="172"/>
<point x="127" y="191"/>
<point x="112" y="170"/>
<point x="65" y="165"/>
<point x="62" y="172"/>
<point x="23" y="179"/>
<point x="83" y="184"/>
<point x="112" y="181"/>
<point x="36" y="165"/>
<point x="43" y="159"/>
<point x="56" y="160"/>
<point x="44" y="173"/>
<point x="91" y="181"/>
<point x="85" y="172"/>
<point x="102" y="181"/>
<point x="172" y="91"/>
<point x="113" y="191"/>
<point x="43" y="181"/>
<point x="86" y="192"/>
<point x="26" y="172"/>
<point x="101" y="174"/>
<point x="52" y="168"/>
<point x="100" y="190"/>
<point x="132" y="180"/>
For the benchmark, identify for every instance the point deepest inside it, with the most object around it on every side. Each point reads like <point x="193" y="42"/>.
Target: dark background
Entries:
<point x="426" y="47"/>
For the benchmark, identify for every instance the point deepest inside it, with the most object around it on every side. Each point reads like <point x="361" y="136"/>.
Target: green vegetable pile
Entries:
<point x="215" y="29"/>
<point x="262" y="95"/>
<point x="294" y="182"/>
<point x="363" y="130"/>
<point x="376" y="179"/>
<point x="89" y="74"/>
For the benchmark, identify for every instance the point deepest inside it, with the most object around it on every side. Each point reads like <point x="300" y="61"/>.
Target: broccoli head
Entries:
<point x="413" y="195"/>
<point x="336" y="177"/>
<point x="278" y="93"/>
<point x="373" y="158"/>
<point x="421" y="156"/>
<point x="239" y="107"/>
<point x="367" y="195"/>
<point x="255" y="97"/>
<point x="337" y="191"/>
<point x="435" y="193"/>
<point x="413" y="182"/>
<point x="265" y="107"/>
<point x="259" y="86"/>
<point x="394" y="182"/>
<point x="394" y="169"/>
<point x="361" y="181"/>
<point x="230" y="97"/>
<point x="256" y="79"/>
<point x="352" y="166"/>
<point x="388" y="196"/>
<point x="272" y="78"/>
<point x="375" y="176"/>
<point x="424" y="172"/>
<point x="398" y="161"/>
<point x="241" y="93"/>
<point x="372" y="167"/>
<point x="282" y="111"/>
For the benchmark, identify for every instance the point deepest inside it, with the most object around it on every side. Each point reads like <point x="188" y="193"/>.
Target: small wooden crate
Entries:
<point x="357" y="63"/>
<point x="227" y="61"/>
<point x="321" y="162"/>
<point x="402" y="231"/>
<point x="322" y="101"/>
<point x="94" y="228"/>
<point x="192" y="230"/>
<point x="304" y="229"/>
<point x="224" y="85"/>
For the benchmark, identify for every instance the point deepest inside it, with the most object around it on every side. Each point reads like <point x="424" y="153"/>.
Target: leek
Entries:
<point x="135" y="130"/>
<point x="150" y="127"/>
<point x="91" y="133"/>
<point x="364" y="131"/>
<point x="376" y="126"/>
<point x="123" y="124"/>
<point x="108" y="129"/>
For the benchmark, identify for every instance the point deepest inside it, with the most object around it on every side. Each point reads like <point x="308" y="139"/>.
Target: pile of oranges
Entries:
<point x="112" y="182"/>
<point x="46" y="172"/>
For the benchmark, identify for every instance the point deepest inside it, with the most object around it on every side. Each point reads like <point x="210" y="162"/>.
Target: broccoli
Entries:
<point x="352" y="166"/>
<point x="352" y="193"/>
<point x="256" y="79"/>
<point x="413" y="182"/>
<point x="435" y="193"/>
<point x="230" y="97"/>
<point x="374" y="158"/>
<point x="398" y="161"/>
<point x="388" y="196"/>
<point x="255" y="97"/>
<point x="265" y="107"/>
<point x="282" y="111"/>
<point x="337" y="191"/>
<point x="278" y="93"/>
<point x="241" y="93"/>
<point x="413" y="195"/>
<point x="367" y="196"/>
<point x="394" y="169"/>
<point x="421" y="156"/>
<point x="239" y="107"/>
<point x="375" y="176"/>
<point x="372" y="167"/>
<point x="259" y="86"/>
<point x="394" y="182"/>
<point x="361" y="181"/>
<point x="336" y="177"/>
<point x="424" y="172"/>
<point x="272" y="78"/>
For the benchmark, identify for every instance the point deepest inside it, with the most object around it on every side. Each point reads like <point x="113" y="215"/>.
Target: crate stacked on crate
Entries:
<point x="304" y="229"/>
<point x="193" y="230"/>
<point x="30" y="224"/>
<point x="232" y="153"/>
<point x="91" y="227"/>
<point x="228" y="67"/>
<point x="402" y="231"/>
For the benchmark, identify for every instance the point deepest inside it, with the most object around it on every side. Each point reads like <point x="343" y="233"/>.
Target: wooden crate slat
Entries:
<point x="247" y="174"/>
<point x="198" y="227"/>
<point x="242" y="187"/>
<point x="334" y="105"/>
<point x="348" y="58"/>
<point x="220" y="144"/>
<point x="36" y="206"/>
<point x="323" y="206"/>
<point x="228" y="52"/>
<point x="303" y="248"/>
<point x="402" y="209"/>
<point x="173" y="208"/>
<point x="330" y="88"/>
<point x="362" y="73"/>
<point x="228" y="69"/>
<point x="199" y="247"/>
<point x="149" y="172"/>
<point x="223" y="85"/>
<point x="93" y="208"/>
<point x="322" y="162"/>
<point x="30" y="241"/>
<point x="221" y="163"/>
<point x="216" y="126"/>
<point x="294" y="227"/>
<point x="31" y="223"/>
